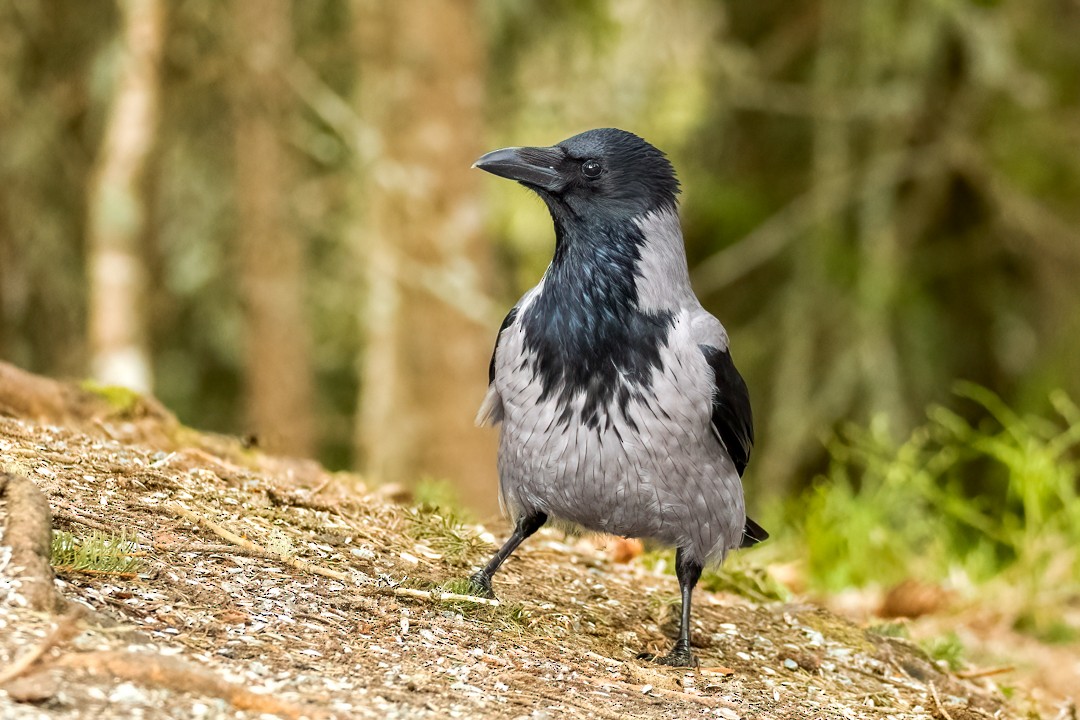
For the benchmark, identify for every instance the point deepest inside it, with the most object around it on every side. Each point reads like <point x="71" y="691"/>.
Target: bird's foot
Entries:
<point x="481" y="584"/>
<point x="680" y="656"/>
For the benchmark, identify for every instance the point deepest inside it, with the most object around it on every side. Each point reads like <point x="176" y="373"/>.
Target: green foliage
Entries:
<point x="947" y="649"/>
<point x="994" y="499"/>
<point x="98" y="553"/>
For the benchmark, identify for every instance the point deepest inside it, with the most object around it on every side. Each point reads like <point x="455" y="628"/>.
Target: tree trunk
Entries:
<point x="424" y="366"/>
<point x="278" y="374"/>
<point x="118" y="337"/>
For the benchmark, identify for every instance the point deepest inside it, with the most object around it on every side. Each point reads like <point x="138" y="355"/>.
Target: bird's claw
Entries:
<point x="678" y="657"/>
<point x="481" y="584"/>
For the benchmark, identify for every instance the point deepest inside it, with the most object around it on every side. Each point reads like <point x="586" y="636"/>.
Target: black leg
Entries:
<point x="525" y="526"/>
<point x="688" y="572"/>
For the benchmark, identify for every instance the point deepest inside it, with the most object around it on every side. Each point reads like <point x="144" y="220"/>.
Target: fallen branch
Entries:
<point x="29" y="535"/>
<point x="245" y="543"/>
<point x="64" y="630"/>
<point x="181" y="676"/>
<point x="440" y="596"/>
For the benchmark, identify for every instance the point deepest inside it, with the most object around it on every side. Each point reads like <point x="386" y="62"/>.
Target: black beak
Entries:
<point x="532" y="166"/>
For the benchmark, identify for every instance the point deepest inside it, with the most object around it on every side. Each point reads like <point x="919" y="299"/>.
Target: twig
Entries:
<point x="63" y="630"/>
<point x="705" y="700"/>
<point x="700" y="699"/>
<point x="602" y="658"/>
<point x="321" y="486"/>
<point x="886" y="679"/>
<point x="937" y="702"/>
<point x="180" y="676"/>
<point x="215" y="548"/>
<point x="69" y="569"/>
<point x="245" y="543"/>
<point x="83" y="520"/>
<point x="439" y="596"/>
<point x="976" y="673"/>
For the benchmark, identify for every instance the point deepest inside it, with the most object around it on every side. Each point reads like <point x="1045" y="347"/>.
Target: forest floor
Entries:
<point x="242" y="586"/>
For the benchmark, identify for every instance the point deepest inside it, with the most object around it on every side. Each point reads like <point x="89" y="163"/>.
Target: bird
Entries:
<point x="619" y="407"/>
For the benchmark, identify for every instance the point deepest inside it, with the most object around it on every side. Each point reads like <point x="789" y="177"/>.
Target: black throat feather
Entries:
<point x="584" y="333"/>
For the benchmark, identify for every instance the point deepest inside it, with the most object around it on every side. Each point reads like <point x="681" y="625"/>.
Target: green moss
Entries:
<point x="890" y="630"/>
<point x="121" y="400"/>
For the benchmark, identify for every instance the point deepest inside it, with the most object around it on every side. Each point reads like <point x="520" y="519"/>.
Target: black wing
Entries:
<point x="732" y="419"/>
<point x="507" y="322"/>
<point x="733" y="422"/>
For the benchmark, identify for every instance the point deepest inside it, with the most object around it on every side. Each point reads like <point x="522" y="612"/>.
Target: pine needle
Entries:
<point x="99" y="553"/>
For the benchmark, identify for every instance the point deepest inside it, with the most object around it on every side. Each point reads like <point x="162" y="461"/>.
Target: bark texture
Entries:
<point x="277" y="348"/>
<point x="28" y="533"/>
<point x="116" y="214"/>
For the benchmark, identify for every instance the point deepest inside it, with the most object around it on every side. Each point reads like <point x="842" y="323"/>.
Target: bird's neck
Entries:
<point x="663" y="279"/>
<point x="622" y="266"/>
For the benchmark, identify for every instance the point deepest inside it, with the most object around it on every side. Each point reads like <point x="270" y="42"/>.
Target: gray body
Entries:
<point x="656" y="470"/>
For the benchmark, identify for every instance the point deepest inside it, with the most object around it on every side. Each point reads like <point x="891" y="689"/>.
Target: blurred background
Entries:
<point x="262" y="211"/>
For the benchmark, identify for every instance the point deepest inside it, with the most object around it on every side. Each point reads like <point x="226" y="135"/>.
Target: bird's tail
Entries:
<point x="752" y="534"/>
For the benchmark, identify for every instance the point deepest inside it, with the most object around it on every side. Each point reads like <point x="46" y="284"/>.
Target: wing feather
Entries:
<point x="491" y="410"/>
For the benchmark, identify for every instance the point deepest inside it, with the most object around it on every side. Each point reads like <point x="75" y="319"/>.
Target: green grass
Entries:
<point x="439" y="494"/>
<point x="992" y="500"/>
<point x="947" y="649"/>
<point x="443" y="532"/>
<point x="741" y="577"/>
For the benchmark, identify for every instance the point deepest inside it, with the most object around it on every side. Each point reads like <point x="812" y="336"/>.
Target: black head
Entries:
<point x="606" y="173"/>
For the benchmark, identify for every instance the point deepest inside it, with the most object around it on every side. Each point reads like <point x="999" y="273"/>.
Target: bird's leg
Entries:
<point x="525" y="526"/>
<point x="688" y="571"/>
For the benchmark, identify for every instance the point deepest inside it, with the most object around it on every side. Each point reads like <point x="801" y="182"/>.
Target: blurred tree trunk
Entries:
<point x="277" y="366"/>
<point x="424" y="366"/>
<point x="116" y="216"/>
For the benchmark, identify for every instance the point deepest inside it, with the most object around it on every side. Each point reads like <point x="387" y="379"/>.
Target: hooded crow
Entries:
<point x="620" y="408"/>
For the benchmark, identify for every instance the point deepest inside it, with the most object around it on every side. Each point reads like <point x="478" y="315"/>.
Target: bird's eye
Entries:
<point x="591" y="169"/>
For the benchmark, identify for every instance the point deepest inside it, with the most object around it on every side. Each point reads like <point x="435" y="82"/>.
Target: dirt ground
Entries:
<point x="261" y="587"/>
